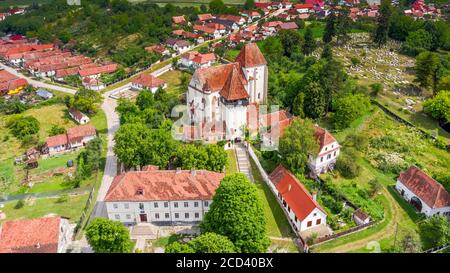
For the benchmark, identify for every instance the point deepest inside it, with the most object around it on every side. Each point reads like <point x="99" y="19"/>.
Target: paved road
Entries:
<point x="38" y="83"/>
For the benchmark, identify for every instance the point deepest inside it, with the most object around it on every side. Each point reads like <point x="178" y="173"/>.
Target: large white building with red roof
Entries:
<point x="426" y="194"/>
<point x="41" y="235"/>
<point x="329" y="149"/>
<point x="161" y="196"/>
<point x="222" y="93"/>
<point x="303" y="210"/>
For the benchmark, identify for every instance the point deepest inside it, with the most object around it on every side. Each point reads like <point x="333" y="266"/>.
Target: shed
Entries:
<point x="44" y="94"/>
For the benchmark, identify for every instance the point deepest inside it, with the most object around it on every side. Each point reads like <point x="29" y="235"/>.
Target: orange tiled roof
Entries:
<point x="234" y="88"/>
<point x="251" y="56"/>
<point x="293" y="192"/>
<point x="323" y="136"/>
<point x="164" y="185"/>
<point x="30" y="236"/>
<point x="149" y="80"/>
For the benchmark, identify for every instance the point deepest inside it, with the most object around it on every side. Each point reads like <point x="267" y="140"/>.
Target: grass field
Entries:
<point x="277" y="224"/>
<point x="43" y="177"/>
<point x="41" y="207"/>
<point x="173" y="80"/>
<point x="231" y="166"/>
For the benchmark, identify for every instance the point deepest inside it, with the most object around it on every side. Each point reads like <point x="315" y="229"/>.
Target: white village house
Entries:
<point x="328" y="152"/>
<point x="79" y="117"/>
<point x="303" y="210"/>
<point x="75" y="137"/>
<point x="197" y="60"/>
<point x="426" y="194"/>
<point x="222" y="93"/>
<point x="41" y="235"/>
<point x="161" y="196"/>
<point x="148" y="81"/>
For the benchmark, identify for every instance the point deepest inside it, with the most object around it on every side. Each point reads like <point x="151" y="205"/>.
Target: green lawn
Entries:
<point x="231" y="166"/>
<point x="44" y="180"/>
<point x="419" y="118"/>
<point x="173" y="80"/>
<point x="277" y="224"/>
<point x="71" y="209"/>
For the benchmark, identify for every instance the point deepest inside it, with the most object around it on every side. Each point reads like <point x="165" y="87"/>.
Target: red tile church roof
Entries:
<point x="251" y="56"/>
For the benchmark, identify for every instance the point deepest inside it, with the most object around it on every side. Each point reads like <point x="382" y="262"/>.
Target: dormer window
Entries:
<point x="140" y="191"/>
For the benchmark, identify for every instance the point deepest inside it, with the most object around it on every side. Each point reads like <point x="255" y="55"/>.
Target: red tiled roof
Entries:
<point x="62" y="73"/>
<point x="251" y="56"/>
<point x="76" y="114"/>
<point x="57" y="140"/>
<point x="149" y="80"/>
<point x="204" y="17"/>
<point x="426" y="188"/>
<point x="79" y="132"/>
<point x="213" y="78"/>
<point x="323" y="136"/>
<point x="178" y="19"/>
<point x="156" y="48"/>
<point x="110" y="68"/>
<point x="30" y="236"/>
<point x="234" y="88"/>
<point x="162" y="185"/>
<point x="304" y="6"/>
<point x="272" y="24"/>
<point x="293" y="192"/>
<point x="232" y="18"/>
<point x="200" y="58"/>
<point x="288" y="25"/>
<point x="206" y="29"/>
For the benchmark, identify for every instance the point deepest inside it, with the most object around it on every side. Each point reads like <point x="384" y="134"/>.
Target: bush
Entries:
<point x="63" y="198"/>
<point x="329" y="202"/>
<point x="390" y="162"/>
<point x="23" y="126"/>
<point x="347" y="167"/>
<point x="20" y="204"/>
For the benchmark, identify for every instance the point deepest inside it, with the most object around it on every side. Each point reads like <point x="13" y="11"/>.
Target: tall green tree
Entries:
<point x="297" y="143"/>
<point x="291" y="40"/>
<point x="249" y="5"/>
<point x="107" y="236"/>
<point x="237" y="213"/>
<point x="310" y="43"/>
<point x="145" y="99"/>
<point x="428" y="68"/>
<point x="314" y="104"/>
<point x="330" y="28"/>
<point x="383" y="22"/>
<point x="129" y="142"/>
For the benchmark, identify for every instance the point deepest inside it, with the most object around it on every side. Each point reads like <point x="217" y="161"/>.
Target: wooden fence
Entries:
<point x="343" y="233"/>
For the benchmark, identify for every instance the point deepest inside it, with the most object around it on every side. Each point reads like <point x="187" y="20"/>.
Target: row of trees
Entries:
<point x="145" y="137"/>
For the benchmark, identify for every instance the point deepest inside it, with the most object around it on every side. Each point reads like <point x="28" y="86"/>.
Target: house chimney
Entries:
<point x="178" y="170"/>
<point x="193" y="172"/>
<point x="314" y="195"/>
<point x="38" y="245"/>
<point x="289" y="187"/>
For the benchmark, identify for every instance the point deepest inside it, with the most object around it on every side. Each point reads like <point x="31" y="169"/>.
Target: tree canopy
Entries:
<point x="107" y="236"/>
<point x="237" y="213"/>
<point x="297" y="143"/>
<point x="206" y="243"/>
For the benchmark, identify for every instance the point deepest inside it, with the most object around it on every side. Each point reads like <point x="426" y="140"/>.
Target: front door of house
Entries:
<point x="143" y="217"/>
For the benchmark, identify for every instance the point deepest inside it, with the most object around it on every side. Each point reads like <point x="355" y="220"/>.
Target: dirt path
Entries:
<point x="386" y="232"/>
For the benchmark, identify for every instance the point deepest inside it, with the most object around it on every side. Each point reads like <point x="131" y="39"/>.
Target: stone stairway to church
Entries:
<point x="243" y="161"/>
